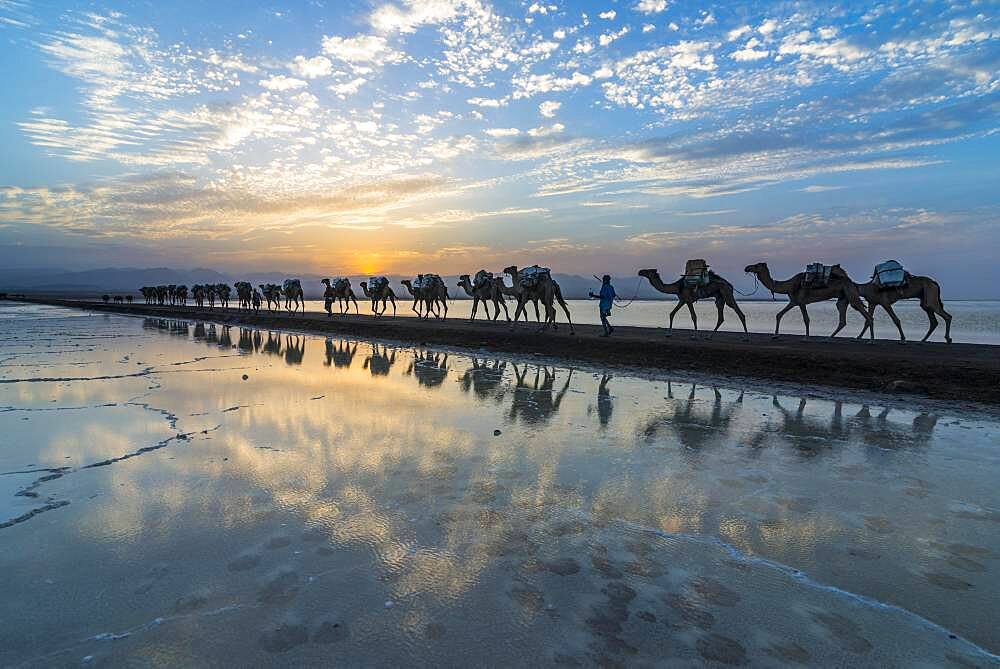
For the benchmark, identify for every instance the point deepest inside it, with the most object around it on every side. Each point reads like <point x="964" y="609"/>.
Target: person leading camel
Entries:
<point x="607" y="297"/>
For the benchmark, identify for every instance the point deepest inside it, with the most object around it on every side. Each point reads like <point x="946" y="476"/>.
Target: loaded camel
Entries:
<point x="800" y="293"/>
<point x="294" y="299"/>
<point x="377" y="289"/>
<point x="272" y="295"/>
<point x="430" y="290"/>
<point x="339" y="289"/>
<point x="244" y="291"/>
<point x="486" y="288"/>
<point x="544" y="289"/>
<point x="923" y="288"/>
<point x="716" y="288"/>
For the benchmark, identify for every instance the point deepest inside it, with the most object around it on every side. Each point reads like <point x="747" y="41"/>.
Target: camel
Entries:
<point x="378" y="288"/>
<point x="294" y="299"/>
<point x="244" y="292"/>
<point x="105" y="298"/>
<point x="128" y="299"/>
<point x="255" y="300"/>
<point x="181" y="295"/>
<point x="923" y="288"/>
<point x="545" y="289"/>
<point x="272" y="295"/>
<point x="198" y="292"/>
<point x="799" y="294"/>
<point x="486" y="288"/>
<point x="210" y="294"/>
<point x="717" y="288"/>
<point x="430" y="290"/>
<point x="223" y="291"/>
<point x="339" y="289"/>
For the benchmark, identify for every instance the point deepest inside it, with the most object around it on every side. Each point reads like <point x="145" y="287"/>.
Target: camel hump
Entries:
<point x="530" y="276"/>
<point x="482" y="276"/>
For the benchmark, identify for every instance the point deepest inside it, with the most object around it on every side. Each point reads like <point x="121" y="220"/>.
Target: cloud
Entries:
<point x="816" y="188"/>
<point x="535" y="84"/>
<point x="280" y="82"/>
<point x="651" y="6"/>
<point x="502" y="132"/>
<point x="608" y="15"/>
<point x="549" y="108"/>
<point x="360" y="50"/>
<point x="311" y="68"/>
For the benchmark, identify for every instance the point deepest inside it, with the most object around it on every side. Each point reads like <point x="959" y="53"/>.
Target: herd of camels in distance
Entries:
<point x="890" y="283"/>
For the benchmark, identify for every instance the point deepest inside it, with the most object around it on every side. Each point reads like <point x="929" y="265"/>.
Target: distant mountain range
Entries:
<point x="124" y="280"/>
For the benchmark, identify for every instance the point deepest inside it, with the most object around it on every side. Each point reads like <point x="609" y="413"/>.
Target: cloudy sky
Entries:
<point x="448" y="135"/>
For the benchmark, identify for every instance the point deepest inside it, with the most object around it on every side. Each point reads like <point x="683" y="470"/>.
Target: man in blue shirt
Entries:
<point x="607" y="298"/>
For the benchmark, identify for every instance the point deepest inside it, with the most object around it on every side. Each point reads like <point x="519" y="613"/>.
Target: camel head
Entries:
<point x="364" y="285"/>
<point x="512" y="270"/>
<point x="756" y="268"/>
<point x="325" y="282"/>
<point x="649" y="273"/>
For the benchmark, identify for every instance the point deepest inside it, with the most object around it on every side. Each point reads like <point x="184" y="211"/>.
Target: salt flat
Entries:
<point x="361" y="502"/>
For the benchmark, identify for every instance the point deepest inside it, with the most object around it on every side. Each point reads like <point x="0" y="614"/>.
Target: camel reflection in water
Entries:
<point x="812" y="434"/>
<point x="430" y="369"/>
<point x="694" y="426"/>
<point x="379" y="362"/>
<point x="340" y="354"/>
<point x="295" y="349"/>
<point x="538" y="401"/>
<point x="485" y="379"/>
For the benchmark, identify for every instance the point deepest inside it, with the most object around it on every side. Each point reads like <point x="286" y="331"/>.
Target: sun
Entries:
<point x="369" y="263"/>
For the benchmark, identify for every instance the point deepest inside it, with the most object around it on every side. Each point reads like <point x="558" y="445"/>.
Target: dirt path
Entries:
<point x="966" y="372"/>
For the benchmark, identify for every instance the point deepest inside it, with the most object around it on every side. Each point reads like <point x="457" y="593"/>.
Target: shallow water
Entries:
<point x="974" y="322"/>
<point x="352" y="502"/>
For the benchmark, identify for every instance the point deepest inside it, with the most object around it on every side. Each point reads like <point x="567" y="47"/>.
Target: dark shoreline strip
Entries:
<point x="962" y="372"/>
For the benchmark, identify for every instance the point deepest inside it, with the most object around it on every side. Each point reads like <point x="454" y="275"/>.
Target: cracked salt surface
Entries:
<point x="171" y="509"/>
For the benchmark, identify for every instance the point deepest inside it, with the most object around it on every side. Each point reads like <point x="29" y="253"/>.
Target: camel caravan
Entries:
<point x="890" y="282"/>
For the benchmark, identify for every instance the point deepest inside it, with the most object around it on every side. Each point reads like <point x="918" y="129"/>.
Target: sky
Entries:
<point x="408" y="136"/>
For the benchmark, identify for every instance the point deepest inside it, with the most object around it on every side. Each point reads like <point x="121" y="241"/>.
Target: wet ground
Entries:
<point x="193" y="495"/>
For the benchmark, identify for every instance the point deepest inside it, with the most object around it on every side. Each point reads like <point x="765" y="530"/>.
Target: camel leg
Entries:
<point x="719" y="304"/>
<point x="871" y="314"/>
<point x="933" y="322"/>
<point x="506" y="313"/>
<point x="569" y="320"/>
<point x="895" y="320"/>
<point x="805" y="318"/>
<point x="670" y="324"/>
<point x="538" y="319"/>
<point x="694" y="319"/>
<point x="732" y="304"/>
<point x="475" y="307"/>
<point x="842" y="309"/>
<point x="931" y="303"/>
<point x="859" y="306"/>
<point x="393" y="300"/>
<point x="777" y="319"/>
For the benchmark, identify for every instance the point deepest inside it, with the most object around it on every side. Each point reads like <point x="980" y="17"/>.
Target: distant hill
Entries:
<point x="124" y="280"/>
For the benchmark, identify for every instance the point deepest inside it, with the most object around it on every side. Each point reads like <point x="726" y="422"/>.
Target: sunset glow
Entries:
<point x="402" y="135"/>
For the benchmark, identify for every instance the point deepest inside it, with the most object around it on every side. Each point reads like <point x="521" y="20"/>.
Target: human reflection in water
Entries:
<point x="485" y="379"/>
<point x="341" y="354"/>
<point x="379" y="362"/>
<point x="537" y="402"/>
<point x="605" y="405"/>
<point x="295" y="349"/>
<point x="431" y="369"/>
<point x="694" y="426"/>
